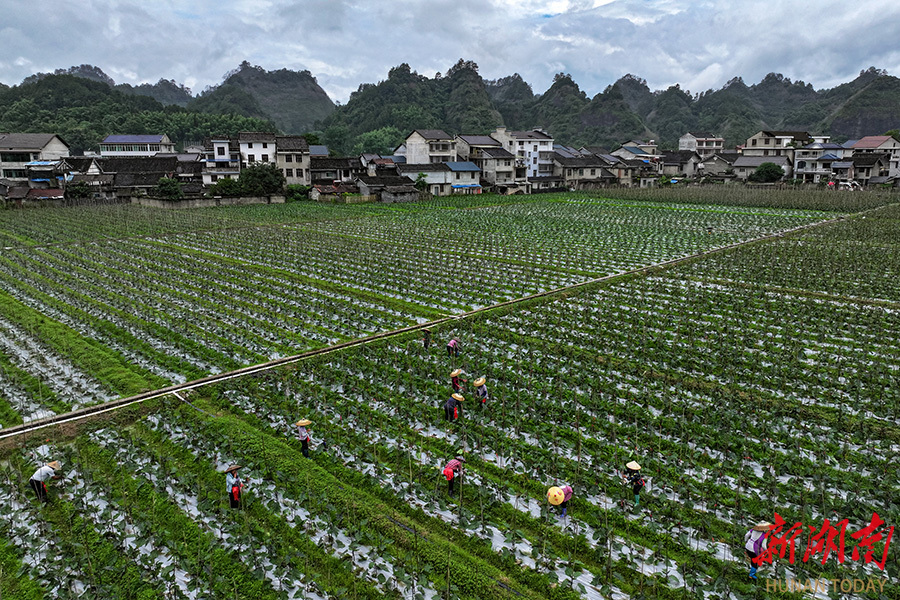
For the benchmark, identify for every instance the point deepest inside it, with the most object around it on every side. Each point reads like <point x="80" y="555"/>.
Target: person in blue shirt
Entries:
<point x="234" y="486"/>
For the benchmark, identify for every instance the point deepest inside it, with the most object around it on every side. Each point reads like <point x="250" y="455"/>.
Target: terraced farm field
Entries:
<point x="757" y="379"/>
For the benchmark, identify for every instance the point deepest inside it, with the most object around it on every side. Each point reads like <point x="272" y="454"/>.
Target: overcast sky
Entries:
<point x="699" y="44"/>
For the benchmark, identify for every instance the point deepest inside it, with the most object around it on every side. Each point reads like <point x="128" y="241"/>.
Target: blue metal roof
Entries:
<point x="462" y="166"/>
<point x="470" y="185"/>
<point x="634" y="149"/>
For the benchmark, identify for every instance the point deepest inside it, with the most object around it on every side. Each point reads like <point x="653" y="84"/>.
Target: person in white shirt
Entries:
<point x="38" y="480"/>
<point x="755" y="542"/>
<point x="303" y="435"/>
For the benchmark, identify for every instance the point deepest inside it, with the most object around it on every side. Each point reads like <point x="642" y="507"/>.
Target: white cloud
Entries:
<point x="698" y="43"/>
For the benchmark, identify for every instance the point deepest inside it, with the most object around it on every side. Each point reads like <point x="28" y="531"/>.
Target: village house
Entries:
<point x="292" y="158"/>
<point x="703" y="143"/>
<point x="533" y="151"/>
<point x="581" y="169"/>
<point x="221" y="160"/>
<point x="497" y="164"/>
<point x="336" y="169"/>
<point x="719" y="165"/>
<point x="871" y="168"/>
<point x="683" y="163"/>
<point x="777" y="143"/>
<point x="19" y="149"/>
<point x="880" y="144"/>
<point x="438" y="177"/>
<point x="136" y="145"/>
<point x="256" y="146"/>
<point x="814" y="162"/>
<point x="465" y="177"/>
<point x="428" y="146"/>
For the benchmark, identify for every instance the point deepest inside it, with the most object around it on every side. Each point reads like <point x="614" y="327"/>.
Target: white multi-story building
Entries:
<point x="256" y="147"/>
<point x="533" y="151"/>
<point x="428" y="146"/>
<point x="136" y="145"/>
<point x="19" y="149"/>
<point x="703" y="143"/>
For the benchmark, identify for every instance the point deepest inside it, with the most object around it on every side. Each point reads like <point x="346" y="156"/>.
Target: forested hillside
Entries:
<point x="84" y="105"/>
<point x="84" y="112"/>
<point x="292" y="100"/>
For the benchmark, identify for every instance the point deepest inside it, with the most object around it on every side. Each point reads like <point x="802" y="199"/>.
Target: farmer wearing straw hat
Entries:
<point x="560" y="496"/>
<point x="634" y="477"/>
<point x="481" y="392"/>
<point x="455" y="381"/>
<point x="234" y="486"/>
<point x="452" y="470"/>
<point x="451" y="407"/>
<point x="303" y="435"/>
<point x="426" y="339"/>
<point x="453" y="347"/>
<point x="38" y="480"/>
<point x="755" y="542"/>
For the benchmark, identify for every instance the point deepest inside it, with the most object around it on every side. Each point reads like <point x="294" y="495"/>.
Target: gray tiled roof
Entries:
<point x="291" y="142"/>
<point x="423" y="167"/>
<point x="25" y="141"/>
<point x="433" y="134"/>
<point x="255" y="136"/>
<point x="479" y="140"/>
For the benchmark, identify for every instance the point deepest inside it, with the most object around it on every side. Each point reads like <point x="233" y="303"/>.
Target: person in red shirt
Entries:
<point x="452" y="470"/>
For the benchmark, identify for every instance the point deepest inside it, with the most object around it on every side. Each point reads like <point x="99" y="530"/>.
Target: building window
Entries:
<point x="265" y="145"/>
<point x="593" y="171"/>
<point x="220" y="151"/>
<point x="581" y="171"/>
<point x="213" y="177"/>
<point x="534" y="160"/>
<point x="753" y="142"/>
<point x="265" y="158"/>
<point x="299" y="158"/>
<point x="250" y="144"/>
<point x="457" y="176"/>
<point x="288" y="158"/>
<point x="766" y="141"/>
<point x="251" y="158"/>
<point x="288" y="172"/>
<point x="765" y="152"/>
<point x="535" y="148"/>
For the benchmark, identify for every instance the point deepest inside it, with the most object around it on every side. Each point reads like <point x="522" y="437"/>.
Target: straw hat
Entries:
<point x="555" y="496"/>
<point x="455" y="372"/>
<point x="303" y="423"/>
<point x="232" y="468"/>
<point x="457" y="397"/>
<point x="54" y="465"/>
<point x="633" y="466"/>
<point x="762" y="526"/>
<point x="479" y="382"/>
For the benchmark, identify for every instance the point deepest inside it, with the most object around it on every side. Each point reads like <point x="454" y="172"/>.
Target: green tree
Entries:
<point x="261" y="179"/>
<point x="225" y="187"/>
<point x="894" y="133"/>
<point x="294" y="192"/>
<point x="767" y="172"/>
<point x="169" y="189"/>
<point x="78" y="190"/>
<point x="421" y="182"/>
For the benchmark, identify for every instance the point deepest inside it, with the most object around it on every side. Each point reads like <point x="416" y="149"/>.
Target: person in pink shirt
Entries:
<point x="453" y="347"/>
